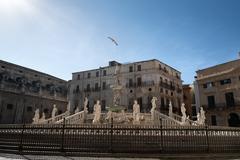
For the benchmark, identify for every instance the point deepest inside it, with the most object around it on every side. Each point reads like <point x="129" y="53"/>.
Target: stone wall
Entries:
<point x="23" y="90"/>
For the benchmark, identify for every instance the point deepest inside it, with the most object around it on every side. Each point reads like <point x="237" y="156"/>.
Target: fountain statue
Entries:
<point x="136" y="113"/>
<point x="68" y="109"/>
<point x="153" y="101"/>
<point x="202" y="116"/>
<point x="170" y="111"/>
<point x="76" y="110"/>
<point x="43" y="118"/>
<point x="36" y="117"/>
<point x="183" y="111"/>
<point x="117" y="87"/>
<point x="85" y="105"/>
<point x="97" y="112"/>
<point x="198" y="118"/>
<point x="54" y="111"/>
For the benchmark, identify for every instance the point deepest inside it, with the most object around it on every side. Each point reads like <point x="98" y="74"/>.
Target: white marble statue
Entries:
<point x="54" y="111"/>
<point x="183" y="111"/>
<point x="202" y="116"/>
<point x="85" y="105"/>
<point x="43" y="118"/>
<point x="198" y="118"/>
<point x="136" y="112"/>
<point x="68" y="108"/>
<point x="76" y="110"/>
<point x="170" y="110"/>
<point x="153" y="101"/>
<point x="97" y="112"/>
<point x="36" y="116"/>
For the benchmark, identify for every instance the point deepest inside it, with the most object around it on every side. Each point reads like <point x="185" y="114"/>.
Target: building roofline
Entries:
<point x="32" y="70"/>
<point x="200" y="70"/>
<point x="131" y="63"/>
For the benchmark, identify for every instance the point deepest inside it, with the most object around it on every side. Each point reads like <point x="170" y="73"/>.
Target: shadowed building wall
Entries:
<point x="219" y="93"/>
<point x="23" y="90"/>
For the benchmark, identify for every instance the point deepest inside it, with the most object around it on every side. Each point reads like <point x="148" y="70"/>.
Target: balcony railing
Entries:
<point x="222" y="106"/>
<point x="167" y="86"/>
<point x="151" y="83"/>
<point x="142" y="84"/>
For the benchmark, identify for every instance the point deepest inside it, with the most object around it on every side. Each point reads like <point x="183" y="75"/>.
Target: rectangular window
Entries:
<point x="96" y="86"/>
<point x="194" y="111"/>
<point x="89" y="75"/>
<point x="165" y="70"/>
<point x="211" y="101"/>
<point x="29" y="109"/>
<point x="225" y="81"/>
<point x="166" y="81"/>
<point x="139" y="81"/>
<point x="160" y="67"/>
<point x="139" y="67"/>
<point x="229" y="99"/>
<point x="78" y="76"/>
<point x="161" y="79"/>
<point x="88" y="87"/>
<point x="9" y="106"/>
<point x="208" y="85"/>
<point x="104" y="85"/>
<point x="97" y="74"/>
<point x="130" y="83"/>
<point x="103" y="105"/>
<point x="161" y="90"/>
<point x="139" y="100"/>
<point x="131" y="69"/>
<point x="214" y="120"/>
<point x="162" y="103"/>
<point x="166" y="91"/>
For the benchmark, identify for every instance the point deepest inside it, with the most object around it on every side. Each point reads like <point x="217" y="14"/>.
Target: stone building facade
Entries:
<point x="219" y="93"/>
<point x="23" y="90"/>
<point x="139" y="80"/>
<point x="189" y="101"/>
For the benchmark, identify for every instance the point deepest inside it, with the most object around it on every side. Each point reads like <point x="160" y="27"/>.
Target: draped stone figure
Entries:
<point x="153" y="101"/>
<point x="76" y="110"/>
<point x="170" y="110"/>
<point x="85" y="105"/>
<point x="97" y="112"/>
<point x="183" y="111"/>
<point x="54" y="111"/>
<point x="202" y="116"/>
<point x="43" y="118"/>
<point x="36" y="116"/>
<point x="136" y="112"/>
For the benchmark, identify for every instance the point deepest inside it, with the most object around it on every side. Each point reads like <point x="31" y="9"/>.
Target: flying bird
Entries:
<point x="113" y="40"/>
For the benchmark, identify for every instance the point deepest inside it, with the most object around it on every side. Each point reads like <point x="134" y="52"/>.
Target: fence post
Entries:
<point x="161" y="129"/>
<point x="62" y="140"/>
<point x="111" y="135"/>
<point x="207" y="138"/>
<point x="21" y="139"/>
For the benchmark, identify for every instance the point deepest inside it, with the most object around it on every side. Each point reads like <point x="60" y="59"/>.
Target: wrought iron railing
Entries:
<point x="111" y="138"/>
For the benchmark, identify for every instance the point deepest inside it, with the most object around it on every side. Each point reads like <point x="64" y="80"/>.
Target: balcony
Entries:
<point x="223" y="106"/>
<point x="142" y="84"/>
<point x="167" y="86"/>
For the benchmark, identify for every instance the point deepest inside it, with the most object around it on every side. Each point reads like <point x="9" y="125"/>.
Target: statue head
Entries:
<point x="135" y="102"/>
<point x="98" y="102"/>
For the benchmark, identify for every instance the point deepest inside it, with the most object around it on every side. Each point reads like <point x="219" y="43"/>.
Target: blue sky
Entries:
<point x="64" y="36"/>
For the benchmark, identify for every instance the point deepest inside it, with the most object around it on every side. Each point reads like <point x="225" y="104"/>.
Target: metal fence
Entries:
<point x="111" y="138"/>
